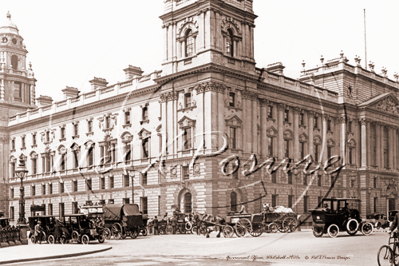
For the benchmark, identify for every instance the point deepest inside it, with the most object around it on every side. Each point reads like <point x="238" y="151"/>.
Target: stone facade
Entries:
<point x="209" y="88"/>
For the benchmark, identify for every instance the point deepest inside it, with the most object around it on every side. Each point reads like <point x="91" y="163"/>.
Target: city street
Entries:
<point x="300" y="248"/>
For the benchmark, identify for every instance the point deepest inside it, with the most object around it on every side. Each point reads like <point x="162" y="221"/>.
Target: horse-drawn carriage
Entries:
<point x="124" y="220"/>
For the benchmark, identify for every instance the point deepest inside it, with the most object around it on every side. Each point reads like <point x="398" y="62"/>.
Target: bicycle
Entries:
<point x="389" y="254"/>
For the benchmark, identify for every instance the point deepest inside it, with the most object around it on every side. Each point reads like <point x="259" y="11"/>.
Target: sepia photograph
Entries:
<point x="199" y="132"/>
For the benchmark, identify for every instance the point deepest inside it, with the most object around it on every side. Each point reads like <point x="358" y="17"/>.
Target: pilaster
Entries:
<point x="378" y="144"/>
<point x="363" y="145"/>
<point x="280" y="138"/>
<point x="342" y="121"/>
<point x="310" y="131"/>
<point x="296" y="133"/>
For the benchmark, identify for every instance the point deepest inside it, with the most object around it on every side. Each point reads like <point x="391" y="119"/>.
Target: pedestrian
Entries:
<point x="174" y="224"/>
<point x="57" y="231"/>
<point x="155" y="225"/>
<point x="219" y="222"/>
<point x="38" y="232"/>
<point x="196" y="222"/>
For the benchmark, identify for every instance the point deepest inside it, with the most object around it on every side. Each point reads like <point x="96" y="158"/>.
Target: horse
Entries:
<point x="209" y="223"/>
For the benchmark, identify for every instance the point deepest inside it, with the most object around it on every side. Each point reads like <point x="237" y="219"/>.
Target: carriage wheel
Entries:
<point x="194" y="230"/>
<point x="116" y="231"/>
<point x="352" y="226"/>
<point x="134" y="233"/>
<point x="228" y="231"/>
<point x="289" y="224"/>
<point x="240" y="231"/>
<point x="244" y="222"/>
<point x="333" y="230"/>
<point x="257" y="230"/>
<point x="273" y="228"/>
<point x="367" y="228"/>
<point x="50" y="239"/>
<point x="318" y="232"/>
<point x="85" y="239"/>
<point x="107" y="233"/>
<point x="33" y="239"/>
<point x="63" y="240"/>
<point x="75" y="237"/>
<point x="101" y="239"/>
<point x="145" y="231"/>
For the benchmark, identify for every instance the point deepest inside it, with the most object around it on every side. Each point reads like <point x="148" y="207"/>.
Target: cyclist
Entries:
<point x="395" y="229"/>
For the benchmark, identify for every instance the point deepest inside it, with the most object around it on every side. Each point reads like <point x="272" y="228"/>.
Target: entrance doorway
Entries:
<point x="391" y="204"/>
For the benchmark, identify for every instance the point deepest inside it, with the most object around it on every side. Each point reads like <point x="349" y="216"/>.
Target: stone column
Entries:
<point x="296" y="133"/>
<point x="357" y="137"/>
<point x="368" y="134"/>
<point x="165" y="42"/>
<point x="324" y="136"/>
<point x="280" y="136"/>
<point x="252" y="42"/>
<point x="263" y="124"/>
<point x="2" y="90"/>
<point x="254" y="120"/>
<point x="310" y="132"/>
<point x="164" y="126"/>
<point x="174" y="41"/>
<point x="200" y="124"/>
<point x="390" y="147"/>
<point x="220" y="116"/>
<point x="378" y="144"/>
<point x="170" y="41"/>
<point x="244" y="40"/>
<point x="382" y="164"/>
<point x="363" y="140"/>
<point x="207" y="27"/>
<point x="395" y="144"/>
<point x="342" y="139"/>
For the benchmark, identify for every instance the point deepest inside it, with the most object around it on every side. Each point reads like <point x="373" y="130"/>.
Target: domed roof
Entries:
<point x="8" y="26"/>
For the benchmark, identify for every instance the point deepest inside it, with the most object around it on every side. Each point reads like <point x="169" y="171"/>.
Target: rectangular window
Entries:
<point x="145" y="148"/>
<point x="23" y="142"/>
<point x="111" y="182"/>
<point x="50" y="189"/>
<point x="301" y="119"/>
<point x="90" y="126"/>
<point x="316" y="152"/>
<point x="102" y="183"/>
<point x="187" y="139"/>
<point x="76" y="129"/>
<point x="91" y="156"/>
<point x="286" y="115"/>
<point x="126" y="180"/>
<point x="12" y="169"/>
<point x="350" y="126"/>
<point x="160" y="142"/>
<point x="159" y="205"/>
<point x="302" y="145"/>
<point x="12" y="193"/>
<point x="75" y="159"/>
<point x="34" y="139"/>
<point x="126" y="201"/>
<point x="233" y="137"/>
<point x="62" y="188"/>
<point x="187" y="100"/>
<point x="13" y="144"/>
<point x="232" y="97"/>
<point x="145" y="113"/>
<point x="74" y="207"/>
<point x="375" y="182"/>
<point x="75" y="186"/>
<point x="328" y="125"/>
<point x="63" y="133"/>
<point x="319" y="180"/>
<point x="274" y="200"/>
<point x="375" y="205"/>
<point x="290" y="200"/>
<point x="144" y="179"/>
<point x="47" y="136"/>
<point x="88" y="185"/>
<point x="62" y="210"/>
<point x="235" y="175"/>
<point x="43" y="189"/>
<point x="332" y="179"/>
<point x="289" y="178"/>
<point x="33" y="191"/>
<point x="315" y="122"/>
<point x="63" y="162"/>
<point x="328" y="152"/>
<point x="305" y="204"/>
<point x="185" y="172"/>
<point x="274" y="177"/>
<point x="305" y="180"/>
<point x="270" y="146"/>
<point x="127" y="118"/>
<point x="34" y="166"/>
<point x="50" y="209"/>
<point x="144" y="205"/>
<point x="269" y="111"/>
<point x="18" y="91"/>
<point x="287" y="148"/>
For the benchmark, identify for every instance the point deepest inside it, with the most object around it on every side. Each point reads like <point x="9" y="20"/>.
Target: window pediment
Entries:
<point x="351" y="143"/>
<point x="234" y="121"/>
<point x="126" y="137"/>
<point x="288" y="135"/>
<point x="89" y="144"/>
<point x="75" y="147"/>
<point x="144" y="133"/>
<point x="271" y="132"/>
<point x="61" y="149"/>
<point x="186" y="122"/>
<point x="317" y="140"/>
<point x="330" y="143"/>
<point x="33" y="155"/>
<point x="303" y="138"/>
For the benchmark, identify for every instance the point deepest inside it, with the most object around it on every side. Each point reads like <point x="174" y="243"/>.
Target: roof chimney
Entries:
<point x="70" y="92"/>
<point x="276" y="68"/>
<point x="98" y="83"/>
<point x="43" y="100"/>
<point x="132" y="71"/>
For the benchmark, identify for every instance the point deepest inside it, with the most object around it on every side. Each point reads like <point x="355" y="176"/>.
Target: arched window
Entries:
<point x="233" y="201"/>
<point x="14" y="62"/>
<point x="188" y="203"/>
<point x="230" y="43"/>
<point x="189" y="44"/>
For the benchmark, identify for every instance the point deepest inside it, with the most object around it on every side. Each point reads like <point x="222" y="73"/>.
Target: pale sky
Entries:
<point x="70" y="42"/>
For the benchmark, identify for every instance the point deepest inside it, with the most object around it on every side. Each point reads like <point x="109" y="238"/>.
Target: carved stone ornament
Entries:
<point x="303" y="138"/>
<point x="387" y="105"/>
<point x="330" y="143"/>
<point x="317" y="140"/>
<point x="173" y="170"/>
<point x="229" y="22"/>
<point x="197" y="168"/>
<point x="210" y="86"/>
<point x="390" y="188"/>
<point x="62" y="150"/>
<point x="186" y="122"/>
<point x="271" y="132"/>
<point x="288" y="135"/>
<point x="234" y="121"/>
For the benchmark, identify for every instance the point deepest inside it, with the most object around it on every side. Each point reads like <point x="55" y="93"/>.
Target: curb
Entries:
<point x="56" y="256"/>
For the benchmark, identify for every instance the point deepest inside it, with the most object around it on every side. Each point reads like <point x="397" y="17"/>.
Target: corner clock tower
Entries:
<point x="17" y="92"/>
<point x="198" y="32"/>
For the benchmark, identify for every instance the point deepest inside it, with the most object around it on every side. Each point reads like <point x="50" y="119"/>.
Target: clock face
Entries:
<point x="4" y="40"/>
<point x="14" y="41"/>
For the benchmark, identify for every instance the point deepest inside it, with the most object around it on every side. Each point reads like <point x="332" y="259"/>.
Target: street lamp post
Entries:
<point x="20" y="173"/>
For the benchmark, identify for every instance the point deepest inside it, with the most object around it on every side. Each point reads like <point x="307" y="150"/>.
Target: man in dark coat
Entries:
<point x="395" y="223"/>
<point x="155" y="225"/>
<point x="39" y="232"/>
<point x="57" y="231"/>
<point x="174" y="224"/>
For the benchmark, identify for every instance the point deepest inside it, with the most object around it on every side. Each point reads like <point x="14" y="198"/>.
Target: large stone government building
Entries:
<point x="79" y="150"/>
